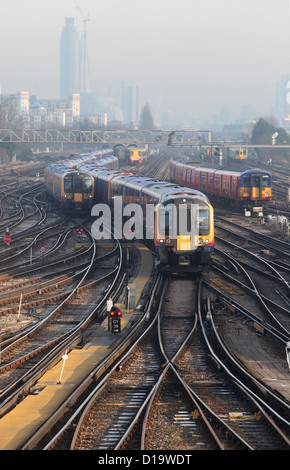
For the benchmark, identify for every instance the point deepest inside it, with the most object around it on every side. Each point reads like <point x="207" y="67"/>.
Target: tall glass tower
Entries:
<point x="69" y="63"/>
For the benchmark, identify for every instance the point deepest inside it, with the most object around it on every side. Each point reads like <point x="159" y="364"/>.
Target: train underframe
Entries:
<point x="71" y="206"/>
<point x="254" y="207"/>
<point x="194" y="261"/>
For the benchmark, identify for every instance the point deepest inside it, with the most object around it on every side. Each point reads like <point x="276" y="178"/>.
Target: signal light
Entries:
<point x="118" y="313"/>
<point x="79" y="228"/>
<point x="115" y="312"/>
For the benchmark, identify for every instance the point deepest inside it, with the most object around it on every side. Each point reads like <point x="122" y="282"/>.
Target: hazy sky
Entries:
<point x="191" y="56"/>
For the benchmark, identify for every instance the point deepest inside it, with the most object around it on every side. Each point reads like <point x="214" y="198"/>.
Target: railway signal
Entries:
<point x="79" y="232"/>
<point x="7" y="238"/>
<point x="114" y="317"/>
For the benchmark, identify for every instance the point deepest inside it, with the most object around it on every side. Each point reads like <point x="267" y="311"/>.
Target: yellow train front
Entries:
<point x="70" y="188"/>
<point x="136" y="155"/>
<point x="241" y="154"/>
<point x="185" y="244"/>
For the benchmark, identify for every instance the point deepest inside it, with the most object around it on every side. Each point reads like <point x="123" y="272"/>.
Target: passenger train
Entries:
<point x="93" y="155"/>
<point x="71" y="188"/>
<point x="181" y="247"/>
<point x="249" y="189"/>
<point x="135" y="155"/>
<point x="241" y="154"/>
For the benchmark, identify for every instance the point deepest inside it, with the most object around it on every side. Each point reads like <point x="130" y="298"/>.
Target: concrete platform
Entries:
<point x="17" y="426"/>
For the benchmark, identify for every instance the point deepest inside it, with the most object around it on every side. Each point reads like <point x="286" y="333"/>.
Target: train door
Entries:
<point x="256" y="186"/>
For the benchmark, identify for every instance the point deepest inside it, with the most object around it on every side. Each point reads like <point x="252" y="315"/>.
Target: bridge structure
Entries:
<point x="134" y="137"/>
<point x="103" y="137"/>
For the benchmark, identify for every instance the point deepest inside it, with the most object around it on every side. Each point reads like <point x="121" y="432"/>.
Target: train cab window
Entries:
<point x="68" y="184"/>
<point x="246" y="181"/>
<point x="266" y="181"/>
<point x="87" y="184"/>
<point x="256" y="181"/>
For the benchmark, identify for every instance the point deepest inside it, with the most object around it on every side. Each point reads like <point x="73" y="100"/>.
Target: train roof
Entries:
<point x="133" y="181"/>
<point x="59" y="168"/>
<point x="163" y="189"/>
<point x="160" y="189"/>
<point x="63" y="170"/>
<point x="96" y="170"/>
<point x="98" y="163"/>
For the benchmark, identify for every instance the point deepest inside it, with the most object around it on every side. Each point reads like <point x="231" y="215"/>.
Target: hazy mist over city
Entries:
<point x="192" y="59"/>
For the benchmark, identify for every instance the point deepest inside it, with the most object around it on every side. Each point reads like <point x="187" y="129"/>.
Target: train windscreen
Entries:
<point x="68" y="183"/>
<point x="87" y="184"/>
<point x="266" y="180"/>
<point x="203" y="221"/>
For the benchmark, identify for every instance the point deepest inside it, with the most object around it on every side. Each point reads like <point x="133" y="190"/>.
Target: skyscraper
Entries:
<point x="69" y="55"/>
<point x="130" y="104"/>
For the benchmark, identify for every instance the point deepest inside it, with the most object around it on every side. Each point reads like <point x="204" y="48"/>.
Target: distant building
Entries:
<point x="130" y="105"/>
<point x="22" y="99"/>
<point x="74" y="104"/>
<point x="69" y="60"/>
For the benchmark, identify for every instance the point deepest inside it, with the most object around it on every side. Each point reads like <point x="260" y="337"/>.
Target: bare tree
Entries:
<point x="8" y="116"/>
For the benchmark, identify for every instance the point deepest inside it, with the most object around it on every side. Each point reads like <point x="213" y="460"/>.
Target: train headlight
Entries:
<point x="207" y="240"/>
<point x="199" y="240"/>
<point x="168" y="240"/>
<point x="161" y="240"/>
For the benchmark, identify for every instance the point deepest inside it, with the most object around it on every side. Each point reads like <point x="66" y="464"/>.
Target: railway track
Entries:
<point x="173" y="396"/>
<point x="256" y="274"/>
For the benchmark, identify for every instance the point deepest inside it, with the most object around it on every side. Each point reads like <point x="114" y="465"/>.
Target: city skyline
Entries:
<point x="200" y="60"/>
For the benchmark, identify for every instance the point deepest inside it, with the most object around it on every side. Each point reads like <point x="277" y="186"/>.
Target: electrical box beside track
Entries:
<point x="130" y="300"/>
